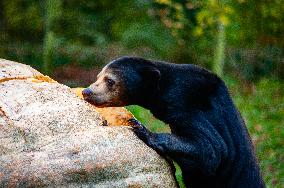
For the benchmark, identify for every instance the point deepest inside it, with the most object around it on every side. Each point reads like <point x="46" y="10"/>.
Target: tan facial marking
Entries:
<point x="108" y="89"/>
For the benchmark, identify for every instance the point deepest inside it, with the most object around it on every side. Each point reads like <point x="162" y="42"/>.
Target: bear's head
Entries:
<point x="122" y="82"/>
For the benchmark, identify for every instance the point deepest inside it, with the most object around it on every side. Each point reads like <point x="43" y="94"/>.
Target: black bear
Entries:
<point x="208" y="139"/>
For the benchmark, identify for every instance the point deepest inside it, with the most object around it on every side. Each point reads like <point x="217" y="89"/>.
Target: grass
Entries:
<point x="262" y="107"/>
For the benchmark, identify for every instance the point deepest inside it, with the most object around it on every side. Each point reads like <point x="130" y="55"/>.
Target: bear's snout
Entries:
<point x="87" y="93"/>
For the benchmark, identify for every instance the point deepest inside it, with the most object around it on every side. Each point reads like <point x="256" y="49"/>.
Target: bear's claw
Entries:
<point x="140" y="130"/>
<point x="135" y="123"/>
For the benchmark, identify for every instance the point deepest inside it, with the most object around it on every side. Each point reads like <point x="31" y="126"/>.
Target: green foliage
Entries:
<point x="141" y="36"/>
<point x="178" y="175"/>
<point x="147" y="118"/>
<point x="255" y="63"/>
<point x="210" y="24"/>
<point x="22" y="18"/>
<point x="91" y="33"/>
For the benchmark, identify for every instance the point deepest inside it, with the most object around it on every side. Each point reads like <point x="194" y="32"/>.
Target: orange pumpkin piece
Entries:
<point x="115" y="116"/>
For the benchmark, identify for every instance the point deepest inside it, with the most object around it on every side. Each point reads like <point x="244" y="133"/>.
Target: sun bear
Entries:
<point x="208" y="138"/>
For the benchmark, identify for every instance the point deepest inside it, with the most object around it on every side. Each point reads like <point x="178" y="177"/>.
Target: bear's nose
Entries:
<point x="87" y="92"/>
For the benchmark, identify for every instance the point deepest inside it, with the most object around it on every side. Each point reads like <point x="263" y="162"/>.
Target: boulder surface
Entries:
<point x="51" y="137"/>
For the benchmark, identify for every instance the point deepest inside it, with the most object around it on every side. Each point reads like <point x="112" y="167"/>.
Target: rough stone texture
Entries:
<point x="50" y="137"/>
<point x="10" y="70"/>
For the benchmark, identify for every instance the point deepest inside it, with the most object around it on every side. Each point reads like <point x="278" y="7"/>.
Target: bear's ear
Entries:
<point x="151" y="77"/>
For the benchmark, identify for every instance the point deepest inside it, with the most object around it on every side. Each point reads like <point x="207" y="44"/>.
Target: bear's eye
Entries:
<point x="109" y="82"/>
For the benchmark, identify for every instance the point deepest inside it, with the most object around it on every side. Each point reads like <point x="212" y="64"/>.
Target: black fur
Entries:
<point x="209" y="139"/>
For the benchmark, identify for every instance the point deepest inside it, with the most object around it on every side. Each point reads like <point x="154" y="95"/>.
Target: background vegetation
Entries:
<point x="241" y="40"/>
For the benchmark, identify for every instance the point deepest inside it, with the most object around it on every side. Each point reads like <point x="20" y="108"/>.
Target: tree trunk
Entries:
<point x="52" y="13"/>
<point x="218" y="64"/>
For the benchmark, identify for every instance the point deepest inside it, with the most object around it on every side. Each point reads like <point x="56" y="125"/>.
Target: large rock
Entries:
<point x="50" y="137"/>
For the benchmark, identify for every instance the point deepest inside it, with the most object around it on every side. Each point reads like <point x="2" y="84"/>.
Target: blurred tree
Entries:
<point x="53" y="11"/>
<point x="207" y="25"/>
<point x="256" y="39"/>
<point x="219" y="59"/>
<point x="193" y="19"/>
<point x="244" y="36"/>
<point x="22" y="19"/>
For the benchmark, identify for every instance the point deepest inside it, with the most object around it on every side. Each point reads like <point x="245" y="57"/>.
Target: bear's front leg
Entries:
<point x="146" y="136"/>
<point x="140" y="130"/>
<point x="196" y="150"/>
